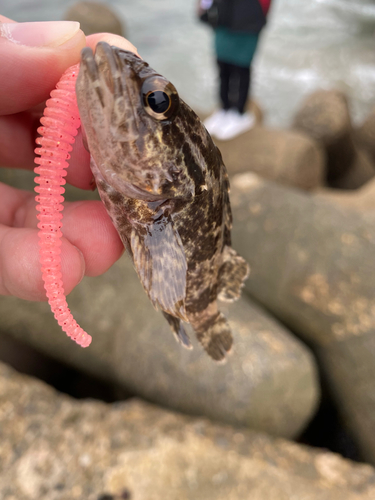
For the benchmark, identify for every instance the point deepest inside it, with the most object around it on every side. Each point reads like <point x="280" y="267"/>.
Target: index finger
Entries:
<point x="28" y="73"/>
<point x="116" y="40"/>
<point x="18" y="132"/>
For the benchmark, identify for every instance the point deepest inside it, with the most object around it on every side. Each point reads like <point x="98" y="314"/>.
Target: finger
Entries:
<point x="18" y="132"/>
<point x="17" y="143"/>
<point x="90" y="246"/>
<point x="116" y="40"/>
<point x="4" y="19"/>
<point x="20" y="270"/>
<point x="17" y="140"/>
<point x="33" y="57"/>
<point x="86" y="225"/>
<point x="16" y="205"/>
<point x="28" y="73"/>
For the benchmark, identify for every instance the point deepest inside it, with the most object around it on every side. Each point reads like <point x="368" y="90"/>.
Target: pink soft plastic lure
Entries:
<point x="60" y="123"/>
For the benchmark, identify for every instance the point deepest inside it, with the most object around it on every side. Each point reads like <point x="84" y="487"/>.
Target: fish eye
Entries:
<point x="160" y="98"/>
<point x="158" y="101"/>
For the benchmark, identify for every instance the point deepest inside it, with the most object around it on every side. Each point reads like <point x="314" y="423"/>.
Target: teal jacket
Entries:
<point x="235" y="47"/>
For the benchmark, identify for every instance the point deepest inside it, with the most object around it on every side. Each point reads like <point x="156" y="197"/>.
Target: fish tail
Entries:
<point x="216" y="337"/>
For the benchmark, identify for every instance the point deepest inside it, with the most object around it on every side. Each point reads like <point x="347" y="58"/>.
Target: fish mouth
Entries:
<point x="110" y="87"/>
<point x="105" y="68"/>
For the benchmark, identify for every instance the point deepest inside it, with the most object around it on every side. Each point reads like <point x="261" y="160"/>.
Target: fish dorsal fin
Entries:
<point x="160" y="262"/>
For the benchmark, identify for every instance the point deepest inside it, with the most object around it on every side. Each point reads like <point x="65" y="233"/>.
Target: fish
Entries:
<point x="164" y="184"/>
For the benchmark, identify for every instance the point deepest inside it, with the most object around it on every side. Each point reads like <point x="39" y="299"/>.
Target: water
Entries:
<point x="314" y="44"/>
<point x="308" y="44"/>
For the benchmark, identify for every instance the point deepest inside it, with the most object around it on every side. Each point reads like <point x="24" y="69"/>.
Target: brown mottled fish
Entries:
<point x="164" y="184"/>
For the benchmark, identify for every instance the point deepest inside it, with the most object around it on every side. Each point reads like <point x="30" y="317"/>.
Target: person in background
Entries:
<point x="237" y="25"/>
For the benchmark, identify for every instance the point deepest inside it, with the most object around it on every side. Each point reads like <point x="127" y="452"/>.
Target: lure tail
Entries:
<point x="60" y="124"/>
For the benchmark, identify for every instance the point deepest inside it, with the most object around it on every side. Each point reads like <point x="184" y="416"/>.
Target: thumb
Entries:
<point x="33" y="57"/>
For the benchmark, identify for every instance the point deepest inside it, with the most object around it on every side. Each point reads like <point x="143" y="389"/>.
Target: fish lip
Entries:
<point x="91" y="61"/>
<point x="108" y="65"/>
<point x="106" y="68"/>
<point x="88" y="61"/>
<point x="91" y="70"/>
<point x="102" y="69"/>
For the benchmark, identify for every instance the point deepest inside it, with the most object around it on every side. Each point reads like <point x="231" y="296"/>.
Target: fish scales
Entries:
<point x="164" y="184"/>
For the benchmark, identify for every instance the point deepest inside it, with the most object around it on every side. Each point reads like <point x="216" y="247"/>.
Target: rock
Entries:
<point x="287" y="157"/>
<point x="358" y="174"/>
<point x="253" y="106"/>
<point x="57" y="448"/>
<point x="324" y="115"/>
<point x="269" y="382"/>
<point x="361" y="199"/>
<point x="95" y="17"/>
<point x="365" y="135"/>
<point x="313" y="266"/>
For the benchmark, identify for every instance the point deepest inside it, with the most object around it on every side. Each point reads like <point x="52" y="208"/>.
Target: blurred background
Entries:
<point x="306" y="45"/>
<point x="304" y="364"/>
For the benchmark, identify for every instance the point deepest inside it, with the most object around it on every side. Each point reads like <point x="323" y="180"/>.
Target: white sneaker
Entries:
<point x="234" y="125"/>
<point x="215" y="121"/>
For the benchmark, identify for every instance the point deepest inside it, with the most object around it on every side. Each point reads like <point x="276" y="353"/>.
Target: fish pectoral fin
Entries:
<point x="160" y="262"/>
<point x="181" y="336"/>
<point x="216" y="337"/>
<point x="232" y="274"/>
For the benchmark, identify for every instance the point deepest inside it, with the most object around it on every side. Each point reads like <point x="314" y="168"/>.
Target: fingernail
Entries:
<point x="39" y="34"/>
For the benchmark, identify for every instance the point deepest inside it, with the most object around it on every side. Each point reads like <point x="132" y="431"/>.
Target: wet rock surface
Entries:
<point x="313" y="266"/>
<point x="57" y="448"/>
<point x="269" y="382"/>
<point x="288" y="157"/>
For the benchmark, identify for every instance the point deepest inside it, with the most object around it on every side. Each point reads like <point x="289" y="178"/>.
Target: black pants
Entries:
<point x="234" y="85"/>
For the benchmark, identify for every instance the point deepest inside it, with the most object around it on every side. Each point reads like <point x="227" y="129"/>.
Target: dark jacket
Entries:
<point x="241" y="15"/>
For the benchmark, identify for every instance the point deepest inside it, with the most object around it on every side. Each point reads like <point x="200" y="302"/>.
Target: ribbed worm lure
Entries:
<point x="60" y="123"/>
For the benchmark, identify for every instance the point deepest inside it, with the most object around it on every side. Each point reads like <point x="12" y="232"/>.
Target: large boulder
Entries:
<point x="324" y="116"/>
<point x="360" y="199"/>
<point x="313" y="266"/>
<point x="364" y="135"/>
<point x="360" y="172"/>
<point x="269" y="382"/>
<point x="288" y="157"/>
<point x="57" y="448"/>
<point x="95" y="17"/>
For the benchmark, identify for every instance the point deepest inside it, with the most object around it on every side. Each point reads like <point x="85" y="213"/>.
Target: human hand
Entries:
<point x="33" y="57"/>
